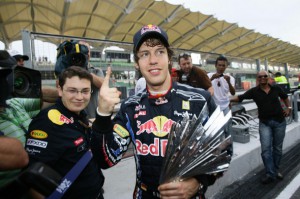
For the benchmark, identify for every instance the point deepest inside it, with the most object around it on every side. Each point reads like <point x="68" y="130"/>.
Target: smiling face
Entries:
<point x="153" y="62"/>
<point x="262" y="77"/>
<point x="75" y="93"/>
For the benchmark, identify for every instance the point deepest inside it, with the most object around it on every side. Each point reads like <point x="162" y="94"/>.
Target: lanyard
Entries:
<point x="71" y="176"/>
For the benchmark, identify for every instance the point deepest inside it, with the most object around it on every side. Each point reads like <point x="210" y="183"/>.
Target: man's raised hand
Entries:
<point x="108" y="97"/>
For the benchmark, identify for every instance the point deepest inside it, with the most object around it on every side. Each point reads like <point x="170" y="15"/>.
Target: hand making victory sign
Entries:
<point x="108" y="97"/>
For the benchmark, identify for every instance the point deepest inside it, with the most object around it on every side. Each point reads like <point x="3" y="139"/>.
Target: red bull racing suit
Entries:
<point x="59" y="138"/>
<point x="145" y="121"/>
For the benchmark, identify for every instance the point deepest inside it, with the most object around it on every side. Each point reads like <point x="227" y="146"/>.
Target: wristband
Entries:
<point x="102" y="114"/>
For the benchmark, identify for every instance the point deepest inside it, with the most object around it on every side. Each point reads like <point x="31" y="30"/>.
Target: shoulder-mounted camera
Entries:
<point x="71" y="53"/>
<point x="17" y="81"/>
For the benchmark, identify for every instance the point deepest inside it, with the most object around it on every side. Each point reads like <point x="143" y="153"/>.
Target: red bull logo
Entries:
<point x="157" y="148"/>
<point x="65" y="120"/>
<point x="159" y="126"/>
<point x="150" y="27"/>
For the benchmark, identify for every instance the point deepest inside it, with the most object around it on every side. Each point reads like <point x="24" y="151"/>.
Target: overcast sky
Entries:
<point x="277" y="18"/>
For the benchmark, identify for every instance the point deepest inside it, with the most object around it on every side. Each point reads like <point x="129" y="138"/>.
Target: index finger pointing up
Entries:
<point x="107" y="77"/>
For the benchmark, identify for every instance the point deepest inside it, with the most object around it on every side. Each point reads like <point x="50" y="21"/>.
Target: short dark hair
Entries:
<point x="151" y="41"/>
<point x="72" y="71"/>
<point x="278" y="74"/>
<point x="221" y="58"/>
<point x="184" y="55"/>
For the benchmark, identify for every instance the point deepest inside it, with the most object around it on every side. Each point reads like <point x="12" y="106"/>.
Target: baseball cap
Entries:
<point x="7" y="65"/>
<point x="149" y="31"/>
<point x="18" y="57"/>
<point x="6" y="61"/>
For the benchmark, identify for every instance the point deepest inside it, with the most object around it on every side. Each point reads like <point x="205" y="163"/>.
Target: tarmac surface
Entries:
<point x="250" y="186"/>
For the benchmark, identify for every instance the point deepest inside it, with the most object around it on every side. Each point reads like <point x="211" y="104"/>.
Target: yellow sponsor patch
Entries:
<point x="121" y="131"/>
<point x="186" y="105"/>
<point x="55" y="116"/>
<point x="38" y="134"/>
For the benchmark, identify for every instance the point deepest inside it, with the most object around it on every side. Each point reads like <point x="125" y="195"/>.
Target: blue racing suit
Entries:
<point x="145" y="121"/>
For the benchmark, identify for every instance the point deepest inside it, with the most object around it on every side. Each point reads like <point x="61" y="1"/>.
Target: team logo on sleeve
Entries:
<point x="185" y="105"/>
<point x="57" y="118"/>
<point x="121" y="131"/>
<point x="38" y="134"/>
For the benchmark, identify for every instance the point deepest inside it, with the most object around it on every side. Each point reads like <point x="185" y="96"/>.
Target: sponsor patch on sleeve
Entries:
<point x="78" y="141"/>
<point x="37" y="143"/>
<point x="121" y="131"/>
<point x="55" y="116"/>
<point x="185" y="105"/>
<point x="39" y="134"/>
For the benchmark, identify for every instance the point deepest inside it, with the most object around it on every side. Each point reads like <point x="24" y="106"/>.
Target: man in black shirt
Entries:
<point x="272" y="122"/>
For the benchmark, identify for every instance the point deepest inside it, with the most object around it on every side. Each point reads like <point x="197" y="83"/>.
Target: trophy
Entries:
<point x="197" y="146"/>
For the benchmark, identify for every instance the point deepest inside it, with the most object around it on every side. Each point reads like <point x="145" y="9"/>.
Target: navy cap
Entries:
<point x="18" y="57"/>
<point x="7" y="65"/>
<point x="148" y="31"/>
<point x="6" y="61"/>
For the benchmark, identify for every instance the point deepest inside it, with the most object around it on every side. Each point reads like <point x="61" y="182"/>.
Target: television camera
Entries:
<point x="17" y="81"/>
<point x="38" y="176"/>
<point x="71" y="53"/>
<point x="26" y="83"/>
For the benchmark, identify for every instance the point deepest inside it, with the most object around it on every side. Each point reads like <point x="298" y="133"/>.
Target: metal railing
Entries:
<point x="295" y="105"/>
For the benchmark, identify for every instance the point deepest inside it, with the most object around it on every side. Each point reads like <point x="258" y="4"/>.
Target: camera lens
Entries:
<point x="21" y="84"/>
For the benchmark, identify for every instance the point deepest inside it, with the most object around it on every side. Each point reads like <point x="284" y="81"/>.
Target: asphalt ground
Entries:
<point x="250" y="186"/>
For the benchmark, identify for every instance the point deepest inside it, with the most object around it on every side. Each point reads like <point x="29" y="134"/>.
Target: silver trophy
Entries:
<point x="197" y="146"/>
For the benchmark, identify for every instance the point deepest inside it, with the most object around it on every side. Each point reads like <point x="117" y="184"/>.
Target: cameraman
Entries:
<point x="20" y="59"/>
<point x="192" y="75"/>
<point x="15" y="116"/>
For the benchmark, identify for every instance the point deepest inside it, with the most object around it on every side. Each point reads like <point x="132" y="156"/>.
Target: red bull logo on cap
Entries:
<point x="159" y="126"/>
<point x="150" y="27"/>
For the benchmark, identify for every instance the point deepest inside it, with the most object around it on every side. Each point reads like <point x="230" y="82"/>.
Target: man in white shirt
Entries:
<point x="222" y="85"/>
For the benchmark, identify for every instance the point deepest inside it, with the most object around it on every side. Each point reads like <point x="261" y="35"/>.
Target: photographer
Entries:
<point x="223" y="84"/>
<point x="192" y="75"/>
